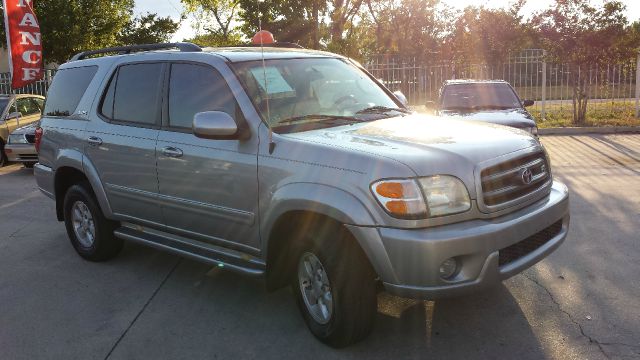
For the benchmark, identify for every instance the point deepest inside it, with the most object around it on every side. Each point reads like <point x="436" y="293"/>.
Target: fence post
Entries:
<point x="543" y="112"/>
<point x="638" y="86"/>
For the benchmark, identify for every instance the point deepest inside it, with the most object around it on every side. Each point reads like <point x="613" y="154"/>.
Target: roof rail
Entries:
<point x="182" y="46"/>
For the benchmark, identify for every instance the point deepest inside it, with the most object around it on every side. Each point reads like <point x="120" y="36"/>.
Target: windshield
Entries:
<point x="479" y="96"/>
<point x="313" y="90"/>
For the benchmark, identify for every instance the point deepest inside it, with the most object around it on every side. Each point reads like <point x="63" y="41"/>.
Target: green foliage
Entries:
<point x="216" y="18"/>
<point x="289" y="21"/>
<point x="487" y="35"/>
<point x="71" y="26"/>
<point x="147" y="29"/>
<point x="576" y="33"/>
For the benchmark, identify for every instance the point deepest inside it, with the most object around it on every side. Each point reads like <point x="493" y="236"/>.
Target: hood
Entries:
<point x="27" y="129"/>
<point x="519" y="118"/>
<point x="429" y="145"/>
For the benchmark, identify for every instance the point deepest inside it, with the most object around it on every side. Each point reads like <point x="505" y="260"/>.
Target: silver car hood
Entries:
<point x="427" y="144"/>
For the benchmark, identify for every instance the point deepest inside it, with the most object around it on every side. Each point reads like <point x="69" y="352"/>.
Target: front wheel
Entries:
<point x="91" y="234"/>
<point x="336" y="291"/>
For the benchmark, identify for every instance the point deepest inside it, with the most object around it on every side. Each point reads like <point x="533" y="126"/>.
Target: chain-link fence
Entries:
<point x="39" y="87"/>
<point x="614" y="85"/>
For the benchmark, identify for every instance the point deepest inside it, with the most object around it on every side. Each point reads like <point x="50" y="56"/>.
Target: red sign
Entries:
<point x="24" y="42"/>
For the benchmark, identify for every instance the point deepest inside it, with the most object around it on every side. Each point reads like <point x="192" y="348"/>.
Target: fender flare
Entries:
<point x="72" y="158"/>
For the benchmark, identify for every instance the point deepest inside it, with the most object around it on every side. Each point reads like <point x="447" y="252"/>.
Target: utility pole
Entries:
<point x="543" y="112"/>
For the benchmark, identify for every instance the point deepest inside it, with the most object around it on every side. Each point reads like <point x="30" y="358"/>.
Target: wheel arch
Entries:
<point x="73" y="168"/>
<point x="302" y="207"/>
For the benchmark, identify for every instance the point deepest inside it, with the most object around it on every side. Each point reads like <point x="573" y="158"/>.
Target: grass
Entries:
<point x="598" y="114"/>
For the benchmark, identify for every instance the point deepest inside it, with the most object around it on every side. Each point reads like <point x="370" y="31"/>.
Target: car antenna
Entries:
<point x="272" y="144"/>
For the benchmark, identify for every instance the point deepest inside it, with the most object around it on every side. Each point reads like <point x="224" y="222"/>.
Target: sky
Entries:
<point x="174" y="8"/>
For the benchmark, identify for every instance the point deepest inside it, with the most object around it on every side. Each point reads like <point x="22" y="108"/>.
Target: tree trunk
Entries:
<point x="580" y="99"/>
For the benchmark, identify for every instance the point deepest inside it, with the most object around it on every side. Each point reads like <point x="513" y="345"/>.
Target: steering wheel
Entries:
<point x="342" y="100"/>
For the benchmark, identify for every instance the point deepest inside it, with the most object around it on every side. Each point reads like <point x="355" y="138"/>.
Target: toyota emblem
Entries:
<point x="526" y="175"/>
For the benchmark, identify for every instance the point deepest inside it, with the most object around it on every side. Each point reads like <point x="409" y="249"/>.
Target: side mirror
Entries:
<point x="214" y="125"/>
<point x="528" y="103"/>
<point x="403" y="99"/>
<point x="14" y="115"/>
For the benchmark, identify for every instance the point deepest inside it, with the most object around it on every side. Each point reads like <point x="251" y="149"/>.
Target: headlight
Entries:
<point x="17" y="139"/>
<point x="532" y="130"/>
<point x="405" y="198"/>
<point x="445" y="195"/>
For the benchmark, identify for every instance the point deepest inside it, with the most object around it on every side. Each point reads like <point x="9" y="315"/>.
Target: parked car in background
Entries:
<point x="17" y="110"/>
<point x="294" y="165"/>
<point x="493" y="101"/>
<point x="21" y="147"/>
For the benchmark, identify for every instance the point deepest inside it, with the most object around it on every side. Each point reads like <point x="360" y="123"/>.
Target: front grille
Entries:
<point x="31" y="138"/>
<point x="526" y="246"/>
<point x="514" y="179"/>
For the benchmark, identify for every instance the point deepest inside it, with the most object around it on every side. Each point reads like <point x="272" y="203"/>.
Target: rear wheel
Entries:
<point x="91" y="234"/>
<point x="3" y="156"/>
<point x="335" y="289"/>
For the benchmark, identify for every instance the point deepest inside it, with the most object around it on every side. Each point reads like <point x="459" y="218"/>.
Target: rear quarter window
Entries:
<point x="67" y="89"/>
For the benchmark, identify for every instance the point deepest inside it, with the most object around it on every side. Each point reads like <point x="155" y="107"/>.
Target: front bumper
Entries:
<point x="25" y="153"/>
<point x="408" y="260"/>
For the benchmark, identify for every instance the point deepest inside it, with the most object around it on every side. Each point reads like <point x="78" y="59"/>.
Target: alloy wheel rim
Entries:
<point x="83" y="224"/>
<point x="315" y="288"/>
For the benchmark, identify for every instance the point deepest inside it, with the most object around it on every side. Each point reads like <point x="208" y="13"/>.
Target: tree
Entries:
<point x="221" y="14"/>
<point x="581" y="35"/>
<point x="71" y="26"/>
<point x="487" y="35"/>
<point x="412" y="27"/>
<point x="289" y="21"/>
<point x="147" y="29"/>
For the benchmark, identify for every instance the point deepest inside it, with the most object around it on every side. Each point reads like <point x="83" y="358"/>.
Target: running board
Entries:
<point x="227" y="259"/>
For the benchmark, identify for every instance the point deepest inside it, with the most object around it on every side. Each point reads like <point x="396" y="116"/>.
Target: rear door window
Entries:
<point x="134" y="93"/>
<point x="67" y="89"/>
<point x="27" y="107"/>
<point x="197" y="88"/>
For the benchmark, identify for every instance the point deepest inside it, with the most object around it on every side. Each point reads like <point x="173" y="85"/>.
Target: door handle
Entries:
<point x="94" y="141"/>
<point x="171" y="151"/>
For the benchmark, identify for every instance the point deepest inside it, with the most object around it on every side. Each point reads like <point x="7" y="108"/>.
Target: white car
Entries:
<point x="21" y="147"/>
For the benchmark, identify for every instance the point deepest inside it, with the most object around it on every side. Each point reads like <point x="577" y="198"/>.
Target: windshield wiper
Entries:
<point x="492" y="107"/>
<point x="319" y="117"/>
<point x="382" y="110"/>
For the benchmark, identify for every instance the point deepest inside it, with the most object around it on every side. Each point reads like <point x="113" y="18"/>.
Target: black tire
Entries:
<point x="3" y="156"/>
<point x="104" y="245"/>
<point x="28" y="165"/>
<point x="353" y="288"/>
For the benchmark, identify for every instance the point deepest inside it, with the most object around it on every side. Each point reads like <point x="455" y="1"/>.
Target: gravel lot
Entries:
<point x="582" y="302"/>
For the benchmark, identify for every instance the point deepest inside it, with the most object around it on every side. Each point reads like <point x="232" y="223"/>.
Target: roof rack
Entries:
<point x="182" y="46"/>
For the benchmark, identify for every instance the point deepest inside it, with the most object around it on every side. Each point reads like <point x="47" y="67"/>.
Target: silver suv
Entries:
<point x="297" y="166"/>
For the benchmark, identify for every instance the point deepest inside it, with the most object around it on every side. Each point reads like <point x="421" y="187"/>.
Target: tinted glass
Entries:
<point x="196" y="88"/>
<point x="137" y="93"/>
<point x="107" y="102"/>
<point x="479" y="96"/>
<point x="67" y="89"/>
<point x="39" y="102"/>
<point x="27" y="107"/>
<point x="3" y="104"/>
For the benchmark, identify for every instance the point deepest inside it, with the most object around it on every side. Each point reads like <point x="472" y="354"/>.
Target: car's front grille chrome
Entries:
<point x="514" y="181"/>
